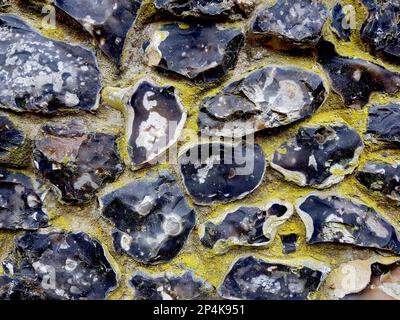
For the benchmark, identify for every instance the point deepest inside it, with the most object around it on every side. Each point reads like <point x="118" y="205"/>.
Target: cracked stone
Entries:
<point x="383" y="123"/>
<point x="215" y="9"/>
<point x="41" y="75"/>
<point x="296" y="22"/>
<point x="341" y="23"/>
<point x="202" y="53"/>
<point x="333" y="219"/>
<point x="21" y="202"/>
<point x="61" y="266"/>
<point x="19" y="289"/>
<point x="169" y="286"/>
<point x="381" y="29"/>
<point x="319" y="156"/>
<point x="155" y="117"/>
<point x="245" y="226"/>
<point x="381" y="177"/>
<point x="268" y="98"/>
<point x="255" y="279"/>
<point x="221" y="173"/>
<point x="77" y="163"/>
<point x="107" y="21"/>
<point x="355" y="80"/>
<point x="151" y="216"/>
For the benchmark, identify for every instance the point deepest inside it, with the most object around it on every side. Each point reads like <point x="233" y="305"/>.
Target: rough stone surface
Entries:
<point x="340" y="23"/>
<point x="151" y="216"/>
<point x="169" y="287"/>
<point x="268" y="98"/>
<point x="12" y="142"/>
<point x="319" y="156"/>
<point x="342" y="220"/>
<point x="381" y="29"/>
<point x="381" y="177"/>
<point x="246" y="226"/>
<point x="217" y="172"/>
<point x="108" y="21"/>
<point x="289" y="242"/>
<point x="383" y="123"/>
<point x="57" y="265"/>
<point x="297" y="22"/>
<point x="254" y="279"/>
<point x="203" y="53"/>
<point x="41" y="75"/>
<point x="205" y="9"/>
<point x="356" y="79"/>
<point x="21" y="202"/>
<point x="77" y="163"/>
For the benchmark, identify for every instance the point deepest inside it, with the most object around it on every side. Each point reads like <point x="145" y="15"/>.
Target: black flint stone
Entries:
<point x="10" y="136"/>
<point x="383" y="123"/>
<point x="340" y="24"/>
<point x="289" y="242"/>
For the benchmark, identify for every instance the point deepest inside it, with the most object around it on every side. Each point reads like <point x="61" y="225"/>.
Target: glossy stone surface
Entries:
<point x="289" y="243"/>
<point x="221" y="173"/>
<point x="383" y="123"/>
<point x="76" y="162"/>
<point x="245" y="226"/>
<point x="342" y="220"/>
<point x="108" y="21"/>
<point x="268" y="98"/>
<point x="169" y="286"/>
<point x="340" y="24"/>
<point x="381" y="29"/>
<point x="356" y="79"/>
<point x="205" y="9"/>
<point x="60" y="265"/>
<point x="155" y="119"/>
<point x="21" y="202"/>
<point x="151" y="216"/>
<point x="41" y="75"/>
<point x="319" y="156"/>
<point x="203" y="53"/>
<point x="297" y="22"/>
<point x="381" y="177"/>
<point x="255" y="279"/>
<point x="12" y="142"/>
<point x="20" y="289"/>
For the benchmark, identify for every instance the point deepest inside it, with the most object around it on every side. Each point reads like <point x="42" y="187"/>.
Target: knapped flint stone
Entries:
<point x="297" y="22"/>
<point x="383" y="123"/>
<point x="339" y="18"/>
<point x="289" y="242"/>
<point x="221" y="173"/>
<point x="381" y="177"/>
<point x="155" y="119"/>
<point x="108" y="21"/>
<point x="333" y="219"/>
<point x="151" y="216"/>
<point x="12" y="142"/>
<point x="381" y="29"/>
<point x="77" y="163"/>
<point x="216" y="9"/>
<point x="41" y="75"/>
<point x="21" y="202"/>
<point x="356" y="79"/>
<point x="19" y="289"/>
<point x="204" y="53"/>
<point x="268" y="98"/>
<point x="319" y="156"/>
<point x="169" y="286"/>
<point x="62" y="265"/>
<point x="255" y="279"/>
<point x="245" y="226"/>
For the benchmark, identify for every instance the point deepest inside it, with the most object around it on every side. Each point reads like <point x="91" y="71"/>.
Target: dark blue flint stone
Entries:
<point x="255" y="279"/>
<point x="339" y="21"/>
<point x="204" y="53"/>
<point x="169" y="287"/>
<point x="333" y="219"/>
<point x="41" y="75"/>
<point x="151" y="216"/>
<point x="221" y="173"/>
<point x="383" y="123"/>
<point x="12" y="139"/>
<point x="108" y="21"/>
<point x="355" y="79"/>
<point x="21" y="205"/>
<point x="57" y="265"/>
